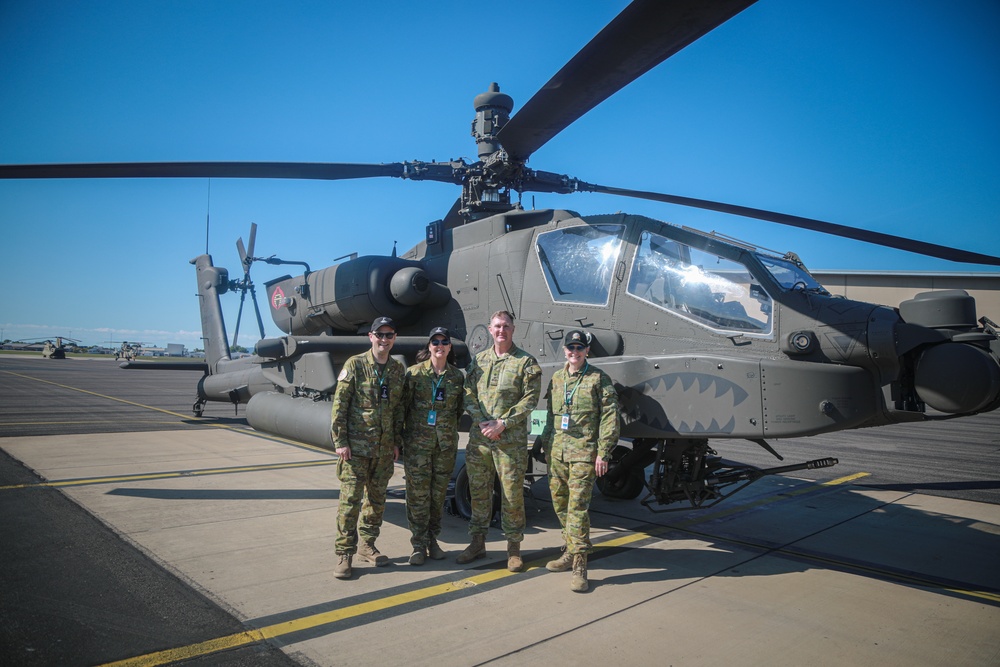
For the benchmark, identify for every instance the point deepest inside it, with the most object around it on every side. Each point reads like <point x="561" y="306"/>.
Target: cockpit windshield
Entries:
<point x="698" y="285"/>
<point x="578" y="262"/>
<point x="790" y="275"/>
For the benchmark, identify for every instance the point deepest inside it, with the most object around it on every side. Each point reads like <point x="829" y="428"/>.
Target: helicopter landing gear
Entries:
<point x="625" y="478"/>
<point x="198" y="408"/>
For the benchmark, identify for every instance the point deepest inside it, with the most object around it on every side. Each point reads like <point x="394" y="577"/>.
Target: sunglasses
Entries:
<point x="386" y="335"/>
<point x="575" y="347"/>
<point x="441" y="341"/>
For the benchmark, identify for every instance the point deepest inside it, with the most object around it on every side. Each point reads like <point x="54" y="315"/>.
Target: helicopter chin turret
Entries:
<point x="346" y="297"/>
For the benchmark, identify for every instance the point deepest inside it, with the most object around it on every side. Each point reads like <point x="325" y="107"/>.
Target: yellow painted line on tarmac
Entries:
<point x="200" y="420"/>
<point x="316" y="620"/>
<point x="123" y="479"/>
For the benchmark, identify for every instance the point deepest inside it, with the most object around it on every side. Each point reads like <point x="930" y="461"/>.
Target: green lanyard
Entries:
<point x="437" y="384"/>
<point x="568" y="397"/>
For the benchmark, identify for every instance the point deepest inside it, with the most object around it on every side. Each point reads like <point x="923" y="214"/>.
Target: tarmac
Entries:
<point x="221" y="552"/>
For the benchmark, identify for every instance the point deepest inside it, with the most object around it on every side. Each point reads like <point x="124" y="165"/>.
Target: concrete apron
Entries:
<point x="786" y="573"/>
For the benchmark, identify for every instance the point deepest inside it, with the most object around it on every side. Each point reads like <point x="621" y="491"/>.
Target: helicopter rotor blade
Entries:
<point x="646" y="33"/>
<point x="243" y="253"/>
<point x="845" y="231"/>
<point x="250" y="244"/>
<point x="330" y="171"/>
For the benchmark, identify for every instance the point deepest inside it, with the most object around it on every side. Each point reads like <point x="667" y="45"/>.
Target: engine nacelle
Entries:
<point x="348" y="296"/>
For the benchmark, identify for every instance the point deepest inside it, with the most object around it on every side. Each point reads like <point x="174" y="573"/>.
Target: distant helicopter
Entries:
<point x="52" y="349"/>
<point x="128" y="351"/>
<point x="705" y="337"/>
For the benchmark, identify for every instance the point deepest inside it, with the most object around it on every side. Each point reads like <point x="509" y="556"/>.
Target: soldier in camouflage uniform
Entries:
<point x="433" y="398"/>
<point x="581" y="429"/>
<point x="502" y="387"/>
<point x="367" y="425"/>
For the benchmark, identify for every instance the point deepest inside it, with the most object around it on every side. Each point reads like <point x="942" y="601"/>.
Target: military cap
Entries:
<point x="383" y="322"/>
<point x="439" y="331"/>
<point x="577" y="336"/>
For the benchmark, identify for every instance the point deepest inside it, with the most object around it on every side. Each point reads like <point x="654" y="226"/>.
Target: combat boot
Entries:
<point x="579" y="583"/>
<point x="476" y="549"/>
<point x="514" y="562"/>
<point x="434" y="550"/>
<point x="368" y="552"/>
<point x="561" y="564"/>
<point x="343" y="568"/>
<point x="418" y="556"/>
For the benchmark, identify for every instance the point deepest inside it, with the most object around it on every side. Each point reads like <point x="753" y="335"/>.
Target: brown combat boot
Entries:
<point x="434" y="550"/>
<point x="419" y="556"/>
<point x="561" y="564"/>
<point x="514" y="562"/>
<point x="579" y="583"/>
<point x="476" y="549"/>
<point x="367" y="551"/>
<point x="342" y="570"/>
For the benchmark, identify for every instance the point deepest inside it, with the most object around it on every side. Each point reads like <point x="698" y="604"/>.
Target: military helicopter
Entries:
<point x="51" y="349"/>
<point x="128" y="351"/>
<point x="706" y="337"/>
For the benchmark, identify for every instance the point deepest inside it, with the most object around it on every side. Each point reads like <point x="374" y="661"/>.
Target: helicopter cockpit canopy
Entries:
<point x="698" y="285"/>
<point x="578" y="262"/>
<point x="790" y="275"/>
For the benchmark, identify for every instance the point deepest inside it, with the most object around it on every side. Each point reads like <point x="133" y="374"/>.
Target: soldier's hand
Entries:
<point x="344" y="453"/>
<point x="600" y="466"/>
<point x="537" y="452"/>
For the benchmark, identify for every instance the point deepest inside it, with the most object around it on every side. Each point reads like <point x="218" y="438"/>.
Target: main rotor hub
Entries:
<point x="492" y="113"/>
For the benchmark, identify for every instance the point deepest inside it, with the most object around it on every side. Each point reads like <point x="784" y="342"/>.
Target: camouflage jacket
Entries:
<point x="419" y="400"/>
<point x="593" y="415"/>
<point x="505" y="387"/>
<point x="362" y="420"/>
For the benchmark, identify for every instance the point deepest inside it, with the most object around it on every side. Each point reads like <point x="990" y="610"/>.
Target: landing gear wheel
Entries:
<point x="198" y="408"/>
<point x="462" y="502"/>
<point x="626" y="487"/>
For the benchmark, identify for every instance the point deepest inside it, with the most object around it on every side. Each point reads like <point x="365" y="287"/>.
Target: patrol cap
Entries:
<point x="577" y="336"/>
<point x="383" y="322"/>
<point x="439" y="331"/>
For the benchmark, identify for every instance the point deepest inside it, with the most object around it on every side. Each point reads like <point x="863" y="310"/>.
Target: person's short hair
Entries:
<point x="502" y="313"/>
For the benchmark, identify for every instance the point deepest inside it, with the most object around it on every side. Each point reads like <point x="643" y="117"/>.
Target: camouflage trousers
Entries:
<point x="572" y="487"/>
<point x="484" y="465"/>
<point x="363" y="484"/>
<point x="428" y="471"/>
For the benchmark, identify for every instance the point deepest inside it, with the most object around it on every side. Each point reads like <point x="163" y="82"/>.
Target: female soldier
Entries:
<point x="433" y="399"/>
<point x="581" y="430"/>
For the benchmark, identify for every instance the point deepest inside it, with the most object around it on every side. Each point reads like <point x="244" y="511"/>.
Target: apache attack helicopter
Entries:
<point x="704" y="336"/>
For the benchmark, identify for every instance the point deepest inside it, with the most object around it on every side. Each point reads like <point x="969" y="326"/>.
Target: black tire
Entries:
<point x="462" y="502"/>
<point x="626" y="487"/>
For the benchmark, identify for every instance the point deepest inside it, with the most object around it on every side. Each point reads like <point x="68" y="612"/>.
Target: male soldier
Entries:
<point x="501" y="389"/>
<point x="581" y="429"/>
<point x="367" y="422"/>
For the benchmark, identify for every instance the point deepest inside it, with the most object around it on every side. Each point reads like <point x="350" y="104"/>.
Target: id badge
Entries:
<point x="432" y="417"/>
<point x="385" y="392"/>
<point x="565" y="422"/>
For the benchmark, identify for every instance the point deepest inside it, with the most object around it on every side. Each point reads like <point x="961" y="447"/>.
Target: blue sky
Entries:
<point x="873" y="114"/>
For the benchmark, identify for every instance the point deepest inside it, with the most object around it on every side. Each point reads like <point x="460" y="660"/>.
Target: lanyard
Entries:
<point x="437" y="384"/>
<point x="379" y="375"/>
<point x="568" y="398"/>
